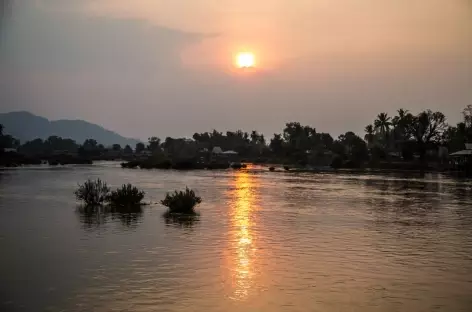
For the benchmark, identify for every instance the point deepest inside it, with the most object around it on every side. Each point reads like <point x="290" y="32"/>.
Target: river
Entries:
<point x="265" y="241"/>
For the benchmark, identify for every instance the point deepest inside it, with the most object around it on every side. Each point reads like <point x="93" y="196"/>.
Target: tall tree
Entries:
<point x="277" y="144"/>
<point x="369" y="134"/>
<point x="154" y="143"/>
<point x="401" y="123"/>
<point x="427" y="127"/>
<point x="467" y="114"/>
<point x="254" y="137"/>
<point x="382" y="124"/>
<point x="354" y="147"/>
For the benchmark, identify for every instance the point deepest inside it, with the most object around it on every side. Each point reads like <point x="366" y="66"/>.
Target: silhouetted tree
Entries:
<point x="355" y="149"/>
<point x="90" y="144"/>
<point x="58" y="144"/>
<point x="427" y="127"/>
<point x="116" y="147"/>
<point x="140" y="147"/>
<point x="154" y="143"/>
<point x="7" y="141"/>
<point x="382" y="124"/>
<point x="34" y="147"/>
<point x="277" y="144"/>
<point x="128" y="150"/>
<point x="369" y="134"/>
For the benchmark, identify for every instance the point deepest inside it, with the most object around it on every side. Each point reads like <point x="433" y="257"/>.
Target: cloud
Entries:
<point x="53" y="36"/>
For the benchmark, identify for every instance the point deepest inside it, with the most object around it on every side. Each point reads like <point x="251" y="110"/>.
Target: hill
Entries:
<point x="26" y="127"/>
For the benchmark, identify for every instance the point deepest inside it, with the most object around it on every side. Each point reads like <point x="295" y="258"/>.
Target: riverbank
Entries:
<point x="9" y="160"/>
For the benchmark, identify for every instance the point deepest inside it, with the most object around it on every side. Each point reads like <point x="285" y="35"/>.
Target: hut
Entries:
<point x="460" y="159"/>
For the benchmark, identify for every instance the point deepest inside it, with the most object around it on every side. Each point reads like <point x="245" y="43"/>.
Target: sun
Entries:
<point x="245" y="60"/>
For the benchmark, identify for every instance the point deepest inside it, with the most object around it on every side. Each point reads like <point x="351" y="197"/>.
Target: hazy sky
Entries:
<point x="165" y="67"/>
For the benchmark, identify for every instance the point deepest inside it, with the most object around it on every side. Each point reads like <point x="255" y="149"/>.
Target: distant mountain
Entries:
<point x="26" y="127"/>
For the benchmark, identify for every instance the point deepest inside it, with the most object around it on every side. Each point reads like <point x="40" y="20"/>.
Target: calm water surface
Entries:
<point x="264" y="242"/>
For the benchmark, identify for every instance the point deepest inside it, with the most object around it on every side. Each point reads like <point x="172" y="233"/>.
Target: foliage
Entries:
<point x="337" y="162"/>
<point x="277" y="143"/>
<point x="90" y="144"/>
<point x="116" y="147"/>
<point x="92" y="192"/>
<point x="427" y="127"/>
<point x="140" y="147"/>
<point x="403" y="134"/>
<point x="382" y="124"/>
<point x="126" y="196"/>
<point x="49" y="146"/>
<point x="182" y="202"/>
<point x="7" y="141"/>
<point x="128" y="150"/>
<point x="154" y="144"/>
<point x="370" y="134"/>
<point x="355" y="149"/>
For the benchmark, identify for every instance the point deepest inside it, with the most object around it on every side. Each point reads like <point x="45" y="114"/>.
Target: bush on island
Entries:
<point x="93" y="193"/>
<point x="126" y="196"/>
<point x="181" y="202"/>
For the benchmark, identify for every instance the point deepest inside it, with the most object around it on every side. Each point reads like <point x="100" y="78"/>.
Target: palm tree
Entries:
<point x="400" y="124"/>
<point x="370" y="134"/>
<point x="402" y="113"/>
<point x="382" y="124"/>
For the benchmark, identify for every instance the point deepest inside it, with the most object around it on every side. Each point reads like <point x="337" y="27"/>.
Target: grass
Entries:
<point x="93" y="193"/>
<point x="181" y="202"/>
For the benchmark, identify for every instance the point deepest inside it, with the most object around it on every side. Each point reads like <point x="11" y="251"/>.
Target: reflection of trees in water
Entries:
<point x="418" y="216"/>
<point x="96" y="217"/>
<point x="403" y="201"/>
<point x="180" y="220"/>
<point x="416" y="202"/>
<point x="299" y="190"/>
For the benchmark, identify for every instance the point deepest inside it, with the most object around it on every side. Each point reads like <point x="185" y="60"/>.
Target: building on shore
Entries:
<point x="462" y="159"/>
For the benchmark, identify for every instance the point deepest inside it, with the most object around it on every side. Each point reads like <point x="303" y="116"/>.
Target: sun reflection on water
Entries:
<point x="243" y="237"/>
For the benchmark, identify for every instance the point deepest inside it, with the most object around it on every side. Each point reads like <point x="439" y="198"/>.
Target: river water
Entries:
<point x="265" y="241"/>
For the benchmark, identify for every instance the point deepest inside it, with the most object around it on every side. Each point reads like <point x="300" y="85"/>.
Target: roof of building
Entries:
<point x="230" y="153"/>
<point x="9" y="150"/>
<point x="465" y="152"/>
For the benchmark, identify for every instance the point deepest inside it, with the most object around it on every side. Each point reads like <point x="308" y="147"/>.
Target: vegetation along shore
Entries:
<point x="406" y="141"/>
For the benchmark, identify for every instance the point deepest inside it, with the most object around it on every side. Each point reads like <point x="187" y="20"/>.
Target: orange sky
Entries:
<point x="279" y="30"/>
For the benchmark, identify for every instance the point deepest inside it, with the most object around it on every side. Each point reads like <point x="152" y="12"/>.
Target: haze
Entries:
<point x="165" y="68"/>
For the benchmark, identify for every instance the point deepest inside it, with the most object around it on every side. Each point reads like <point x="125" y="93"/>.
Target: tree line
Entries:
<point x="404" y="135"/>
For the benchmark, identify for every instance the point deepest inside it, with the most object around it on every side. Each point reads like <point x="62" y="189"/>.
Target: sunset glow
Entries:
<point x="245" y="60"/>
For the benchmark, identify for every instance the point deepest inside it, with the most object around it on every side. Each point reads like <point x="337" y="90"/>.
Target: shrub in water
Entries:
<point x="93" y="193"/>
<point x="126" y="196"/>
<point x="182" y="202"/>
